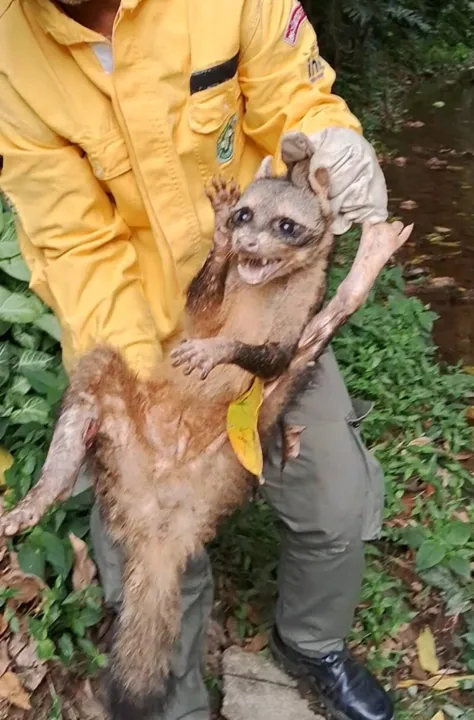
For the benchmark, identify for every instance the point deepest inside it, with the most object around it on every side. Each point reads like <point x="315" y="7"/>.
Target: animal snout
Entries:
<point x="246" y="243"/>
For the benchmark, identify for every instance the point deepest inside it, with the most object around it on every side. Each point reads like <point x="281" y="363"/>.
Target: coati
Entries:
<point x="161" y="491"/>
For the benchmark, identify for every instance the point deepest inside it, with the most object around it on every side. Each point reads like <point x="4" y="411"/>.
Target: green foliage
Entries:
<point x="376" y="46"/>
<point x="417" y="430"/>
<point x="32" y="381"/>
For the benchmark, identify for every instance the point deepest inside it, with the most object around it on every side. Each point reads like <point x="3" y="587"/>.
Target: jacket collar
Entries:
<point x="64" y="29"/>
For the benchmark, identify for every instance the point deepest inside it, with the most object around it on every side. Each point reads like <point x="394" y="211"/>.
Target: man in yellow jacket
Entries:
<point x="113" y="116"/>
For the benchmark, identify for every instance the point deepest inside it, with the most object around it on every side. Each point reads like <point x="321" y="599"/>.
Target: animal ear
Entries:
<point x="320" y="183"/>
<point x="296" y="146"/>
<point x="296" y="152"/>
<point x="265" y="169"/>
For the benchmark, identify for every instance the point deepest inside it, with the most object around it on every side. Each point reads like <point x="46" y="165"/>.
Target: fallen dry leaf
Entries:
<point x="27" y="657"/>
<point x="84" y="570"/>
<point x="435" y="163"/>
<point x="88" y="705"/>
<point x="439" y="283"/>
<point x="232" y="628"/>
<point x="420" y="441"/>
<point x="3" y="624"/>
<point x="408" y="205"/>
<point x="440" y="683"/>
<point x="32" y="678"/>
<point x="17" y="643"/>
<point x="414" y="124"/>
<point x="12" y="691"/>
<point x="462" y="516"/>
<point x="426" y="647"/>
<point x="470" y="414"/>
<point x="400" y="161"/>
<point x="419" y="259"/>
<point x="469" y="369"/>
<point x="439" y="716"/>
<point x="4" y="658"/>
<point x="257" y="643"/>
<point x="28" y="587"/>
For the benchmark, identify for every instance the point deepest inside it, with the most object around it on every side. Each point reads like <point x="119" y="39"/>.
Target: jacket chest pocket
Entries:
<point x="215" y="120"/>
<point x="111" y="165"/>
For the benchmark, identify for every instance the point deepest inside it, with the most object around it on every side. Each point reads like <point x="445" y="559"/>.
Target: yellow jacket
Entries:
<point x="106" y="170"/>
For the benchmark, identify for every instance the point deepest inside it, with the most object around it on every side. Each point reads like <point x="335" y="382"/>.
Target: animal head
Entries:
<point x="278" y="223"/>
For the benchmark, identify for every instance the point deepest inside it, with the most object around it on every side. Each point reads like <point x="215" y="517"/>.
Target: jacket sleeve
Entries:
<point x="285" y="82"/>
<point x="88" y="265"/>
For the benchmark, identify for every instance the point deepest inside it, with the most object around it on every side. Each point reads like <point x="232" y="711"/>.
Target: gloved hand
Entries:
<point x="358" y="190"/>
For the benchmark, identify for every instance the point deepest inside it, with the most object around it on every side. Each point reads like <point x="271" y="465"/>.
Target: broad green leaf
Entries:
<point x="49" y="325"/>
<point x="413" y="536"/>
<point x="8" y="249"/>
<point x="25" y="338"/>
<point x="429" y="554"/>
<point x="4" y="327"/>
<point x="45" y="649"/>
<point x="8" y="234"/>
<point x="32" y="360"/>
<point x="90" y="616"/>
<point x="459" y="603"/>
<point x="4" y="363"/>
<point x="18" y="308"/>
<point x="20" y="385"/>
<point x="31" y="559"/>
<point x="461" y="566"/>
<point x="458" y="533"/>
<point x="57" y="554"/>
<point x="43" y="381"/>
<point x="35" y="410"/>
<point x="66" y="647"/>
<point x="16" y="268"/>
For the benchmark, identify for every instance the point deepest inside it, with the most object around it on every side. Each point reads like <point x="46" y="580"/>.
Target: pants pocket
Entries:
<point x="374" y="494"/>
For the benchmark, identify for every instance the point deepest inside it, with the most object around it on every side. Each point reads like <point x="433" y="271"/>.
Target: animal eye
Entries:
<point x="287" y="227"/>
<point x="242" y="216"/>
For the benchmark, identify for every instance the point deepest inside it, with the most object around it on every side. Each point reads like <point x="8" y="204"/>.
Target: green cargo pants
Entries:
<point x="329" y="500"/>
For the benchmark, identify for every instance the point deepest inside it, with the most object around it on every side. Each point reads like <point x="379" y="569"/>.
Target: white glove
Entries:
<point x="358" y="191"/>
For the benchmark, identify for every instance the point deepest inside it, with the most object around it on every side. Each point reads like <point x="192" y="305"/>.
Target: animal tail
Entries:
<point x="140" y="683"/>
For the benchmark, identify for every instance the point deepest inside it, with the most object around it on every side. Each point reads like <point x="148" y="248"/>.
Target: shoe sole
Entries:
<point x="299" y="672"/>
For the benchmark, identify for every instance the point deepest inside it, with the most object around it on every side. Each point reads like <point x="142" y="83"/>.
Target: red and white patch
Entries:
<point x="296" y="20"/>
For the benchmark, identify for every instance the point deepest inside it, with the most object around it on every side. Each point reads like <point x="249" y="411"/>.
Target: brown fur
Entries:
<point x="161" y="492"/>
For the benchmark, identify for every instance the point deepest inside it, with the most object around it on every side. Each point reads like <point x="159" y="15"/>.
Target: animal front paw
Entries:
<point x="223" y="196"/>
<point x="201" y="355"/>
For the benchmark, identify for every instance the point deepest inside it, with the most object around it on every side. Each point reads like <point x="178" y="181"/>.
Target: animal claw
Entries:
<point x="194" y="355"/>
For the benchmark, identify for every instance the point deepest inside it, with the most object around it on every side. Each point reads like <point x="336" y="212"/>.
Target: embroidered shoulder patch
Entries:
<point x="296" y="20"/>
<point x="225" y="141"/>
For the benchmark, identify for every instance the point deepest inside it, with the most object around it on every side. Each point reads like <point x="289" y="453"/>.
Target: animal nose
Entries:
<point x="247" y="243"/>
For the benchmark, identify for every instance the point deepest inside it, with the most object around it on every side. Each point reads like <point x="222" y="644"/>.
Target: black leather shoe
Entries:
<point x="342" y="685"/>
